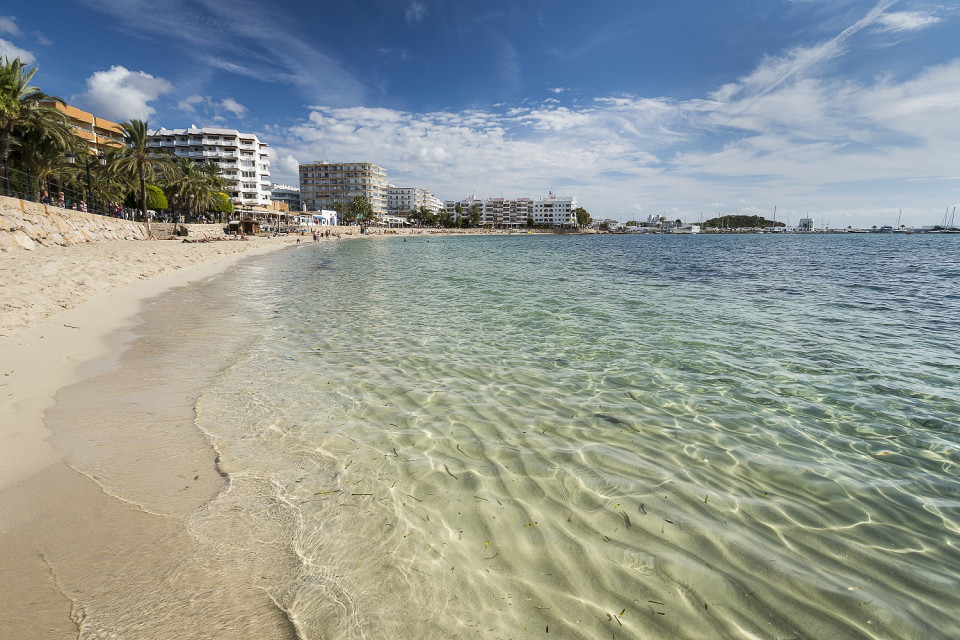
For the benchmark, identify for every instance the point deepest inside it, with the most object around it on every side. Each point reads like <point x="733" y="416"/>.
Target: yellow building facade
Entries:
<point x="99" y="133"/>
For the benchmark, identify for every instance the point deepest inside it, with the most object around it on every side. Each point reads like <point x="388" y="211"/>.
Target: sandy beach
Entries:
<point x="66" y="313"/>
<point x="59" y="304"/>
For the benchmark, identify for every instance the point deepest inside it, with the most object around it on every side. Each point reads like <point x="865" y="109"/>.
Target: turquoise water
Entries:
<point x="598" y="436"/>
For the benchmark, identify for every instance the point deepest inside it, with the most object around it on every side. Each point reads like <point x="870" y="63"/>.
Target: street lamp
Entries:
<point x="102" y="161"/>
<point x="89" y="188"/>
<point x="71" y="158"/>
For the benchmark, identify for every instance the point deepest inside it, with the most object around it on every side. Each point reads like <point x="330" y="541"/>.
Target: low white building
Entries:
<point x="322" y="218"/>
<point x="611" y="224"/>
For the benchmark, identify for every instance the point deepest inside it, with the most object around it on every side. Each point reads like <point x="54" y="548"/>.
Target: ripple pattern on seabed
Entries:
<point x="646" y="437"/>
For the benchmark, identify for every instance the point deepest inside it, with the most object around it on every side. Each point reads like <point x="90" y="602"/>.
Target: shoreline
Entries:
<point x="92" y="503"/>
<point x="50" y="332"/>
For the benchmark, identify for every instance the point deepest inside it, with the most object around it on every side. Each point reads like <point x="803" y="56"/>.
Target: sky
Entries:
<point x="847" y="111"/>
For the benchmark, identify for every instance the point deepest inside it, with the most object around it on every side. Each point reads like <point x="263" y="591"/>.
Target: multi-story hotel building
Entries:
<point x="402" y="200"/>
<point x="554" y="211"/>
<point x="286" y="194"/>
<point x="501" y="212"/>
<point x="99" y="133"/>
<point x="243" y="160"/>
<point x="324" y="185"/>
<point x="451" y="206"/>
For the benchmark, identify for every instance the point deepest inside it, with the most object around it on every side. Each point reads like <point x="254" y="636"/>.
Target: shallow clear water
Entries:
<point x="595" y="436"/>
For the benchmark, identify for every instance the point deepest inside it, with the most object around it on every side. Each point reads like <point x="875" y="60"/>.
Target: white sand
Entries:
<point x="58" y="306"/>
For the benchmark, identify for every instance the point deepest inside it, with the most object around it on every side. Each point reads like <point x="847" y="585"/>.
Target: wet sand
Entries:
<point x="102" y="464"/>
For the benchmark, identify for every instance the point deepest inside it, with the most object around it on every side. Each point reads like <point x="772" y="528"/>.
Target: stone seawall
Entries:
<point x="194" y="231"/>
<point x="27" y="225"/>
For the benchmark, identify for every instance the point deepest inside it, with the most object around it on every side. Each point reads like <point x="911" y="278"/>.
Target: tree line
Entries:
<point x="42" y="157"/>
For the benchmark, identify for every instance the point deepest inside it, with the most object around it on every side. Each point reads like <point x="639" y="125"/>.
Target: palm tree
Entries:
<point x="361" y="210"/>
<point x="196" y="187"/>
<point x="41" y="154"/>
<point x="24" y="107"/>
<point x="138" y="161"/>
<point x="474" y="215"/>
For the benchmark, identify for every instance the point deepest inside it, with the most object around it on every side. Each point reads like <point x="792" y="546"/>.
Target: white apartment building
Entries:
<point x="515" y="212"/>
<point x="555" y="211"/>
<point x="324" y="185"/>
<point x="244" y="161"/>
<point x="286" y="194"/>
<point x="402" y="200"/>
<point x="500" y="212"/>
<point x="450" y="206"/>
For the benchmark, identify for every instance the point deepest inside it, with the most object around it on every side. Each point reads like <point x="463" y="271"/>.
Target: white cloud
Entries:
<point x="205" y="106"/>
<point x="233" y="107"/>
<point x="12" y="51"/>
<point x="776" y="71"/>
<point x="287" y="165"/>
<point x="558" y="90"/>
<point x="907" y="21"/>
<point x="794" y="145"/>
<point x="120" y="94"/>
<point x="221" y="33"/>
<point x="8" y="25"/>
<point x="416" y="12"/>
<point x="190" y="103"/>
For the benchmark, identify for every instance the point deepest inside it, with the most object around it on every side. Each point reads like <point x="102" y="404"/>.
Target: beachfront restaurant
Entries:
<point x="273" y="220"/>
<point x="391" y="221"/>
<point x="323" y="218"/>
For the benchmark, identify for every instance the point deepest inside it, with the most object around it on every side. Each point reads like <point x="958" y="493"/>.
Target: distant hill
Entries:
<point x="740" y="222"/>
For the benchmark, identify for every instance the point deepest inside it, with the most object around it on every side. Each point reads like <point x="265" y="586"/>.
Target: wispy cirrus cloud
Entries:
<point x="8" y="25"/>
<point x="211" y="108"/>
<point x="243" y="37"/>
<point x="416" y="12"/>
<point x="775" y="71"/>
<point x="907" y="21"/>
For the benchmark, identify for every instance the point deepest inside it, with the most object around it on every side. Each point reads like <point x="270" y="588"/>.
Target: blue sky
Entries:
<point x="844" y="110"/>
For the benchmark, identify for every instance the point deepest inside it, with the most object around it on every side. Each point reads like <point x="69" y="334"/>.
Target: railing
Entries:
<point x="66" y="194"/>
<point x="57" y="192"/>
